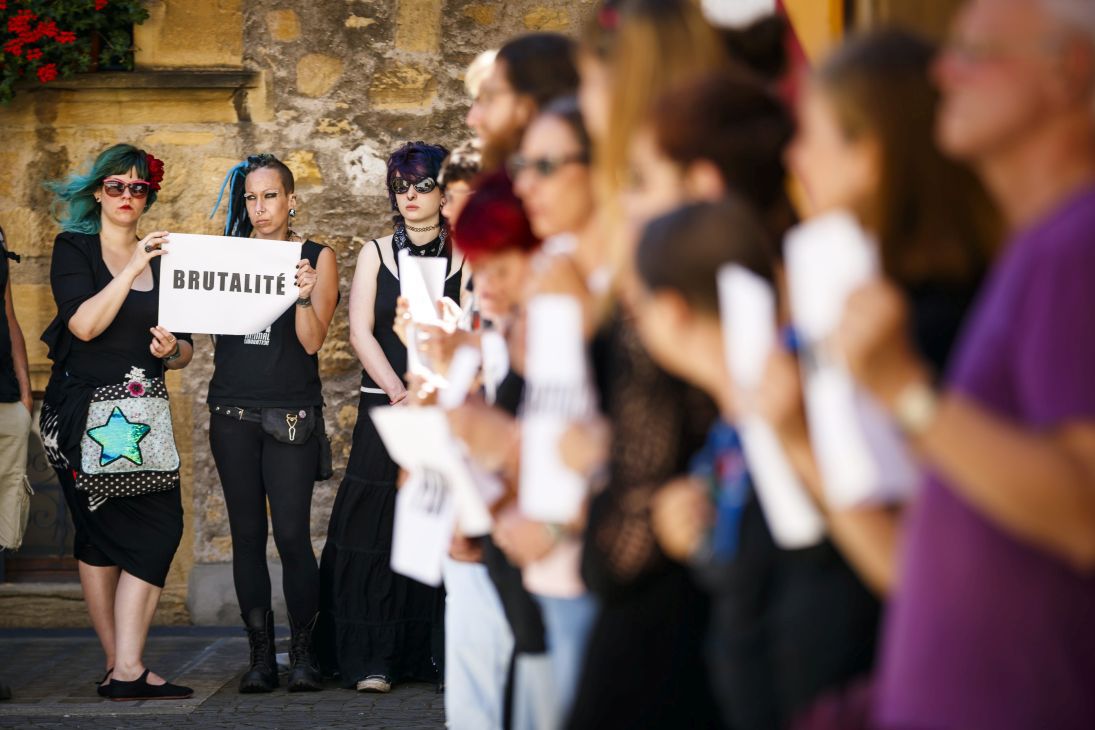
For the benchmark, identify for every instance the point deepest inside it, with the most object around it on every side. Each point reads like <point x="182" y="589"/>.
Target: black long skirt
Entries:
<point x="374" y="621"/>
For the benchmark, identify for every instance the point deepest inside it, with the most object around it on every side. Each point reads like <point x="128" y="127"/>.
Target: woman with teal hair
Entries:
<point x="120" y="475"/>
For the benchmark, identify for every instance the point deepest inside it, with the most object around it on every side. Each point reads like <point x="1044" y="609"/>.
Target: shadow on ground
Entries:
<point x="52" y="674"/>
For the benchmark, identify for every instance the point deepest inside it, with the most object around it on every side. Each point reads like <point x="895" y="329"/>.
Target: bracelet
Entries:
<point x="554" y="530"/>
<point x="915" y="409"/>
<point x="304" y="302"/>
<point x="175" y="355"/>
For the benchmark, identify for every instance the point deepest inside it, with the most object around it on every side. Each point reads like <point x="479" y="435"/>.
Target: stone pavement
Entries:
<point x="52" y="675"/>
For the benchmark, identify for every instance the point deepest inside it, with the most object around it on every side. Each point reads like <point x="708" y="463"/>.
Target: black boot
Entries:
<point x="263" y="674"/>
<point x="304" y="673"/>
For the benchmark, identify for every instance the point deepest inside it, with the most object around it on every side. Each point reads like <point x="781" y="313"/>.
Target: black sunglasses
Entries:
<point x="115" y="188"/>
<point x="544" y="166"/>
<point x="424" y="186"/>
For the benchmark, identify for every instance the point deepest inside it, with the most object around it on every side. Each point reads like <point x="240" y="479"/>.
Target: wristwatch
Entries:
<point x="304" y="302"/>
<point x="174" y="355"/>
<point x="915" y="408"/>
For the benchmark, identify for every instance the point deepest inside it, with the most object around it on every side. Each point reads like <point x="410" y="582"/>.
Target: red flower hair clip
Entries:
<point x="608" y="17"/>
<point x="155" y="171"/>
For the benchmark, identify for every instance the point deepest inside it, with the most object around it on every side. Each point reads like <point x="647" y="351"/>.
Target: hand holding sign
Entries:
<point x="558" y="392"/>
<point x="860" y="453"/>
<point x="305" y="279"/>
<point x="747" y="306"/>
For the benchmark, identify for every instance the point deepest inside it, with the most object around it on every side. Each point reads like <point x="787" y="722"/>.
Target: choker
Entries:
<point x="422" y="230"/>
<point x="434" y="248"/>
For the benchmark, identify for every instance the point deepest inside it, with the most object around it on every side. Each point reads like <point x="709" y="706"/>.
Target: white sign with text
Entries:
<point x="219" y="285"/>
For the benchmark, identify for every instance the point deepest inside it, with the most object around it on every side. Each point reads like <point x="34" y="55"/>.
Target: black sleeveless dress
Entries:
<point x="374" y="621"/>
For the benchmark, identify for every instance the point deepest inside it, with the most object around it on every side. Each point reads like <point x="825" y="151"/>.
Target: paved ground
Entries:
<point x="52" y="675"/>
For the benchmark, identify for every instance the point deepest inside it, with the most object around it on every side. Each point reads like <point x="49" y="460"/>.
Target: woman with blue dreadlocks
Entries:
<point x="266" y="428"/>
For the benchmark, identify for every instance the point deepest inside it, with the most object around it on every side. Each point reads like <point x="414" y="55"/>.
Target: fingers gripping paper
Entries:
<point x="747" y="306"/>
<point x="220" y="285"/>
<point x="557" y="393"/>
<point x="860" y="453"/>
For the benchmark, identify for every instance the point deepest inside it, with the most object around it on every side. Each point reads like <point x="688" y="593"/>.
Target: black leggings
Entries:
<point x="254" y="467"/>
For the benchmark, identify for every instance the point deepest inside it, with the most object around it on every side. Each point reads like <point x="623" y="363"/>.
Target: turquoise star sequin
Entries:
<point x="120" y="438"/>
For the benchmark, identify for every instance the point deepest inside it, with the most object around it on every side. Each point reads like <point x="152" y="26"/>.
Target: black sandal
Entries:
<point x="102" y="688"/>
<point x="140" y="689"/>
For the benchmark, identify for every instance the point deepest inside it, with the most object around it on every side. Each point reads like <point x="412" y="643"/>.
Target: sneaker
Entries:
<point x="375" y="683"/>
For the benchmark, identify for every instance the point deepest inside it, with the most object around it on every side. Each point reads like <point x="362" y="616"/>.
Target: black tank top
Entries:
<point x="268" y="369"/>
<point x="387" y="292"/>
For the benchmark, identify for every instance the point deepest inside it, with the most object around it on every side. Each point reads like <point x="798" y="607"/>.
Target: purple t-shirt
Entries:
<point x="986" y="630"/>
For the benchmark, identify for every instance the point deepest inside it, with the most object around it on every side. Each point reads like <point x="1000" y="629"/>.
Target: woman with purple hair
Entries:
<point x="383" y="627"/>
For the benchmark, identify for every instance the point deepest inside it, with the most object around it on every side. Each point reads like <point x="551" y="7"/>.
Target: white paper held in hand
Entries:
<point x="424" y="519"/>
<point x="557" y="393"/>
<point x="422" y="282"/>
<point x="860" y="453"/>
<point x="220" y="285"/>
<point x="461" y="376"/>
<point x="419" y="440"/>
<point x="747" y="306"/>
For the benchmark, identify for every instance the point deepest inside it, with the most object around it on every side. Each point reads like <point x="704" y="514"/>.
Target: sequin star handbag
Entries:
<point x="128" y="446"/>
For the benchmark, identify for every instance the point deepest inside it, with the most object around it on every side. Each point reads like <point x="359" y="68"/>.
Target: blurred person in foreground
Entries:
<point x="990" y="626"/>
<point x="644" y="664"/>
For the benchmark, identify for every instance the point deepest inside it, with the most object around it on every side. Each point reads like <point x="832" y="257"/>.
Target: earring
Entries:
<point x="292" y="212"/>
<point x="99" y="200"/>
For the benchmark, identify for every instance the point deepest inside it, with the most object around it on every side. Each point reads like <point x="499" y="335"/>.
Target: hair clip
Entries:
<point x="155" y="171"/>
<point x="608" y="17"/>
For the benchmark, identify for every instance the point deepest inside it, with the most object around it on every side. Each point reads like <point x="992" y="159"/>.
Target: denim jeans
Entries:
<point x="567" y="622"/>
<point x="478" y="647"/>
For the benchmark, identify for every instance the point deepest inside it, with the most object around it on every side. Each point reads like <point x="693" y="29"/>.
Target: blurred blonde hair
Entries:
<point x="477" y="71"/>
<point x="654" y="46"/>
<point x="649" y="46"/>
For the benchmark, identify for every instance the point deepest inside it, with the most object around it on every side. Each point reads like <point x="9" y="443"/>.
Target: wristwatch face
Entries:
<point x="916" y="407"/>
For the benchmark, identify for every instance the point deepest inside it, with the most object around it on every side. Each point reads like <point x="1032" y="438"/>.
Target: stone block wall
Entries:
<point x="329" y="86"/>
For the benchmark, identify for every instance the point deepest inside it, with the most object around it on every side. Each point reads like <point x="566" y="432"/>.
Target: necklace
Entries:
<point x="436" y="248"/>
<point x="423" y="230"/>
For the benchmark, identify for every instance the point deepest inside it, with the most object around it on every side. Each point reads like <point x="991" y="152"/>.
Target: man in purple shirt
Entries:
<point x="993" y="621"/>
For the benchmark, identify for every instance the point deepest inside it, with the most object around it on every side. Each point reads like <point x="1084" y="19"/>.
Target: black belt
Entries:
<point x="253" y="415"/>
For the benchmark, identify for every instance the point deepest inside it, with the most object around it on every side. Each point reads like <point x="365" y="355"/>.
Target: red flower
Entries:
<point x="47" y="73"/>
<point x="14" y="47"/>
<point x="19" y="24"/>
<point x="47" y="29"/>
<point x="65" y="36"/>
<point x="100" y="4"/>
<point x="3" y="4"/>
<point x="34" y="54"/>
<point x="155" y="171"/>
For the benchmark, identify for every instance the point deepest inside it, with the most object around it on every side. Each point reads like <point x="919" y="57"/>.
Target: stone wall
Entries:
<point x="330" y="87"/>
